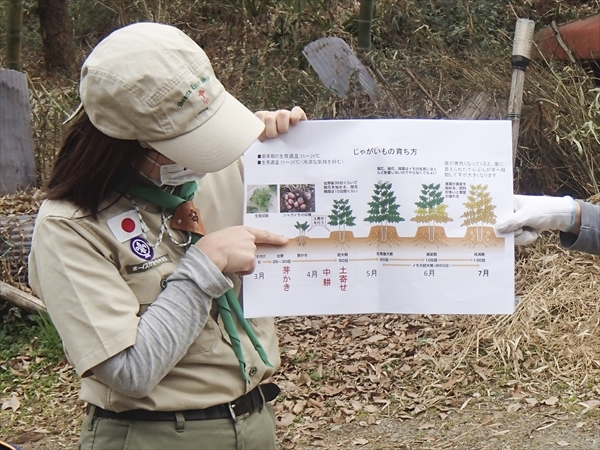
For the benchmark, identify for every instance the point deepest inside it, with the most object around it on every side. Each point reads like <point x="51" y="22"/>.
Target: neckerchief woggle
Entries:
<point x="228" y="304"/>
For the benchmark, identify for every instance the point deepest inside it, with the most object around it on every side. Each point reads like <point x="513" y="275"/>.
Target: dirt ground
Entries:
<point x="479" y="429"/>
<point x="334" y="397"/>
<point x="485" y="426"/>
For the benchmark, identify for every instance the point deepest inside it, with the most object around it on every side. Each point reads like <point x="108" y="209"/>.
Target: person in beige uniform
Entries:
<point x="138" y="248"/>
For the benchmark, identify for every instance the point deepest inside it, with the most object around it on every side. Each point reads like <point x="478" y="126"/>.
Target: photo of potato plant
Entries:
<point x="261" y="199"/>
<point x="297" y="198"/>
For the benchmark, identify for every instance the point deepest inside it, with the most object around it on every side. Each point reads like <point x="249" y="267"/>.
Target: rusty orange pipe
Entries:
<point x="581" y="37"/>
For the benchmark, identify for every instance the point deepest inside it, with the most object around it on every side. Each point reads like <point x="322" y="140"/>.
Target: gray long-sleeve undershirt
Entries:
<point x="167" y="328"/>
<point x="588" y="239"/>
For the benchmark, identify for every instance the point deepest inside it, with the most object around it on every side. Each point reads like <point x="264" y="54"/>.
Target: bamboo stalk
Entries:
<point x="14" y="23"/>
<point x="365" y="19"/>
<point x="21" y="299"/>
<point x="520" y="60"/>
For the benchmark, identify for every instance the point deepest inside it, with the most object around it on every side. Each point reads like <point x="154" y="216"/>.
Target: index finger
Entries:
<point x="266" y="237"/>
<point x="297" y="115"/>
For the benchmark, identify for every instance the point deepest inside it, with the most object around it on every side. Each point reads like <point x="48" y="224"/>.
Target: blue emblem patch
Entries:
<point x="141" y="248"/>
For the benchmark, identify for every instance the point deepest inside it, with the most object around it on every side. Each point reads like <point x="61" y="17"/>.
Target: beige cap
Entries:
<point x="150" y="82"/>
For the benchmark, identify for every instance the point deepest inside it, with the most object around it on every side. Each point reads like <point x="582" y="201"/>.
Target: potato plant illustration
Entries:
<point x="431" y="209"/>
<point x="301" y="227"/>
<point x="383" y="208"/>
<point x="341" y="217"/>
<point x="479" y="210"/>
<point x="297" y="198"/>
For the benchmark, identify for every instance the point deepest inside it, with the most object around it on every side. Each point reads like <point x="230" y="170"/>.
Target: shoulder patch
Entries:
<point x="125" y="226"/>
<point x="140" y="247"/>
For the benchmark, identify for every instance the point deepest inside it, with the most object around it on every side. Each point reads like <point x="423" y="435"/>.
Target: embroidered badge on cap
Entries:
<point x="125" y="226"/>
<point x="141" y="248"/>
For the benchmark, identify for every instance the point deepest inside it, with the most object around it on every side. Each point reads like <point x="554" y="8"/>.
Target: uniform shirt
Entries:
<point x="96" y="287"/>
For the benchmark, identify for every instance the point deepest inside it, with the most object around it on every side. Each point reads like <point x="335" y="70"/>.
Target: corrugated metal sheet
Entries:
<point x="15" y="245"/>
<point x="17" y="160"/>
<point x="336" y="63"/>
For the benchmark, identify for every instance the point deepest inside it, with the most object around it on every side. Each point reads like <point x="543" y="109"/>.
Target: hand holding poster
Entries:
<point x="383" y="216"/>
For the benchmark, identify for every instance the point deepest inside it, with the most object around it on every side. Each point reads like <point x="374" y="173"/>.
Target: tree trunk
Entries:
<point x="14" y="21"/>
<point x="55" y="28"/>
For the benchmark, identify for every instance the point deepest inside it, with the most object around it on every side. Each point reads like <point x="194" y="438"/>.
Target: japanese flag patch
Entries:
<point x="125" y="226"/>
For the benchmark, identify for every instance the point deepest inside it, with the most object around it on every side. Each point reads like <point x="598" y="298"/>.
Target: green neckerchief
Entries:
<point x="159" y="197"/>
<point x="226" y="303"/>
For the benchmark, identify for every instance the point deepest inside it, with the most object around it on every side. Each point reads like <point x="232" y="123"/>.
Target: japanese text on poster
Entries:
<point x="383" y="216"/>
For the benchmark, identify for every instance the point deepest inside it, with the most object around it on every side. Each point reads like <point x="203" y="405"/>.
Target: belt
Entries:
<point x="245" y="404"/>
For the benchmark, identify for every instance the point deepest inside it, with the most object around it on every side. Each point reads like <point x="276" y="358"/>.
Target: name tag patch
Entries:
<point x="145" y="266"/>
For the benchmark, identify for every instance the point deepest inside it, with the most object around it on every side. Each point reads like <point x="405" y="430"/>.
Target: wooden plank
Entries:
<point x="481" y="106"/>
<point x="21" y="299"/>
<point x="17" y="156"/>
<point x="476" y="107"/>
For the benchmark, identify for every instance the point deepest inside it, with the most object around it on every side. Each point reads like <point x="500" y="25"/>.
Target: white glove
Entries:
<point x="534" y="214"/>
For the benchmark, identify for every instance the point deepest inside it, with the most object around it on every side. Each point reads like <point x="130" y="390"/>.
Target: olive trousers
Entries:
<point x="255" y="431"/>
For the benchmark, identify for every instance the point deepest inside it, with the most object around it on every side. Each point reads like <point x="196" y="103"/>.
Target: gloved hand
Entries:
<point x="534" y="214"/>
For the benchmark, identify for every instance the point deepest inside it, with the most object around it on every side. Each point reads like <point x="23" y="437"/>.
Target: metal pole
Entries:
<point x="520" y="59"/>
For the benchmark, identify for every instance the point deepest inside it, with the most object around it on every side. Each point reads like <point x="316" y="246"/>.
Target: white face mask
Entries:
<point x="173" y="174"/>
<point x="176" y="174"/>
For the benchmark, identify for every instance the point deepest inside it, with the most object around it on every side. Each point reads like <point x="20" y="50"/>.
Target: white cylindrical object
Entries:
<point x="523" y="38"/>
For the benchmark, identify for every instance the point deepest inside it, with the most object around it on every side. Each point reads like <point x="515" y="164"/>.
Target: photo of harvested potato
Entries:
<point x="297" y="198"/>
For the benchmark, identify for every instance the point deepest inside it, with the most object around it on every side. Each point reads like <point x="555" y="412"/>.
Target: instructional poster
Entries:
<point x="382" y="216"/>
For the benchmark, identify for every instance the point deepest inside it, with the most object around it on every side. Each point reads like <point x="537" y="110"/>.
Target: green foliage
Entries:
<point x="460" y="23"/>
<point x="431" y="207"/>
<point x="301" y="227"/>
<point x="32" y="335"/>
<point x="383" y="207"/>
<point x="430" y="197"/>
<point x="261" y="197"/>
<point x="49" y="339"/>
<point x="341" y="214"/>
<point x="16" y="333"/>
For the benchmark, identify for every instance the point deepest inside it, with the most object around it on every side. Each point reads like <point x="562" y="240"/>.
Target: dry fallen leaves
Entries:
<point x="339" y="370"/>
<point x="12" y="403"/>
<point x="513" y="407"/>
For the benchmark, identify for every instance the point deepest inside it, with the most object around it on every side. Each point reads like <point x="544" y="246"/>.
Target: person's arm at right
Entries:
<point x="578" y="221"/>
<point x="585" y="235"/>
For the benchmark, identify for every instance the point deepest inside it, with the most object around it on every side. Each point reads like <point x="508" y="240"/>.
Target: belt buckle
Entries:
<point x="231" y="407"/>
<point x="234" y="415"/>
<point x="262" y="397"/>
